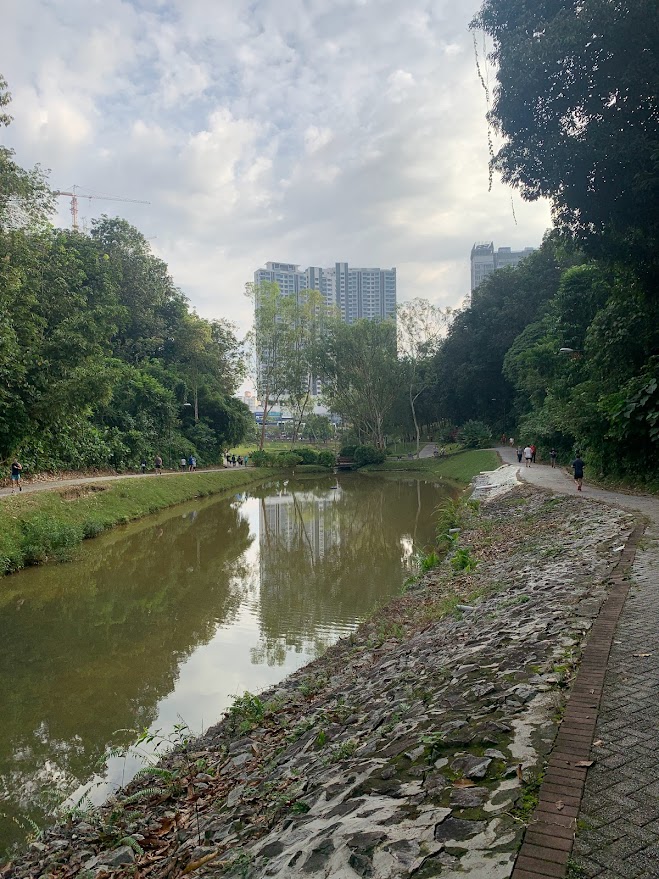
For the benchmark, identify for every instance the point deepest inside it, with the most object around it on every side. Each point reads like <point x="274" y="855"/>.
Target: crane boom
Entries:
<point x="74" y="196"/>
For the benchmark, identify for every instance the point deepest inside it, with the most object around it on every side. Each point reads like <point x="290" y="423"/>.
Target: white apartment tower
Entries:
<point x="485" y="260"/>
<point x="356" y="293"/>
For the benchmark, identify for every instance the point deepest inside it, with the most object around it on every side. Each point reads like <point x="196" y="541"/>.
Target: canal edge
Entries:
<point x="549" y="837"/>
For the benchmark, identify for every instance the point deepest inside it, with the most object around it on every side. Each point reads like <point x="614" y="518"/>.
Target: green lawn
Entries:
<point x="458" y="466"/>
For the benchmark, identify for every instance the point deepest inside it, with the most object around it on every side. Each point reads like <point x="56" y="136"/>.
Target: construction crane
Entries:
<point x="74" y="196"/>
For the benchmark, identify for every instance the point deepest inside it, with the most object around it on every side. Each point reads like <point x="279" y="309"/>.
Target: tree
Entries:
<point x="576" y="103"/>
<point x="25" y="199"/>
<point x="318" y="428"/>
<point x="361" y="374"/>
<point x="305" y="318"/>
<point x="419" y="325"/>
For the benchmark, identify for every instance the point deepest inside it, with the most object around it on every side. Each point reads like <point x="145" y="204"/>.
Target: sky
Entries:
<point x="304" y="131"/>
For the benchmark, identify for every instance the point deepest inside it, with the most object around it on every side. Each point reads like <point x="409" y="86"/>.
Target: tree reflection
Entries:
<point x="331" y="553"/>
<point x="93" y="647"/>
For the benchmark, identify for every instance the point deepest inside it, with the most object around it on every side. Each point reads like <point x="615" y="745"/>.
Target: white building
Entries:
<point x="356" y="293"/>
<point x="485" y="260"/>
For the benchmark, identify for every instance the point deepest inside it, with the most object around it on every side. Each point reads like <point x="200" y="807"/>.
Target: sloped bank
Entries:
<point x="400" y="752"/>
<point x="42" y="526"/>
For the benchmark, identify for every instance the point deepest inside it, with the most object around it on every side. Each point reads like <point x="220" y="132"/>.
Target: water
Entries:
<point x="167" y="620"/>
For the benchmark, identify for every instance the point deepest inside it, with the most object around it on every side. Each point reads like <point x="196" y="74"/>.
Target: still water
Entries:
<point x="166" y="620"/>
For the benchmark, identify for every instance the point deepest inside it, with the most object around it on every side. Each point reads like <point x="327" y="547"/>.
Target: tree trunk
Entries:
<point x="416" y="423"/>
<point x="265" y="418"/>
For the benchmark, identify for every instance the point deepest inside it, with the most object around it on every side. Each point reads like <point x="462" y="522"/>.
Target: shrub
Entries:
<point x="475" y="435"/>
<point x="307" y="455"/>
<point x="261" y="458"/>
<point x="327" y="459"/>
<point x="368" y="455"/>
<point x="286" y="459"/>
<point x="347" y="451"/>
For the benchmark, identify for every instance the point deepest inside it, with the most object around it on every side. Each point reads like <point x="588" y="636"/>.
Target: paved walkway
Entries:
<point x="618" y="819"/>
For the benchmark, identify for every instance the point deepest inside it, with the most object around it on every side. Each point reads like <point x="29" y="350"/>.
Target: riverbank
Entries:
<point x="41" y="526"/>
<point x="414" y="747"/>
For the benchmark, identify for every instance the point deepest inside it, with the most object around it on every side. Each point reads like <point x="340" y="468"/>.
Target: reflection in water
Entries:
<point x="172" y="616"/>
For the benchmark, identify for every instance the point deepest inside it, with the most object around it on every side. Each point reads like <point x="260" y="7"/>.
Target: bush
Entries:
<point x="368" y="455"/>
<point x="347" y="451"/>
<point x="327" y="459"/>
<point x="286" y="459"/>
<point x="308" y="456"/>
<point x="475" y="435"/>
<point x="261" y="459"/>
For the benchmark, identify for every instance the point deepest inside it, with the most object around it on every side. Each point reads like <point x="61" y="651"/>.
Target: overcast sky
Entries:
<point x="307" y="131"/>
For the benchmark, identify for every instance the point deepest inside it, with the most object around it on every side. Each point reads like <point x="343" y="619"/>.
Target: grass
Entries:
<point x="40" y="526"/>
<point x="460" y="466"/>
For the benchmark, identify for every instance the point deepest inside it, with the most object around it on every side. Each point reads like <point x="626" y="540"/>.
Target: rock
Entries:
<point x="468" y="797"/>
<point x="484" y="688"/>
<point x="471" y="766"/>
<point x="119" y="856"/>
<point x="456" y="829"/>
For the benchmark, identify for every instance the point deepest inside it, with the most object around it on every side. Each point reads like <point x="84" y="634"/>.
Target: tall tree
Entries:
<point x="420" y="326"/>
<point x="577" y="103"/>
<point x="269" y="341"/>
<point x="361" y="374"/>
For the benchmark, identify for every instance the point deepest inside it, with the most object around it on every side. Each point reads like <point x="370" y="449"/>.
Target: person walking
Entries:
<point x="143" y="465"/>
<point x="533" y="451"/>
<point x="520" y="452"/>
<point x="182" y="463"/>
<point x="552" y="457"/>
<point x="16" y="468"/>
<point x="193" y="463"/>
<point x="158" y="465"/>
<point x="528" y="454"/>
<point x="233" y="460"/>
<point x="577" y="466"/>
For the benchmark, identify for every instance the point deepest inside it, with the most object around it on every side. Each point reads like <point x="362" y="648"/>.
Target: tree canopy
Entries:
<point x="577" y="104"/>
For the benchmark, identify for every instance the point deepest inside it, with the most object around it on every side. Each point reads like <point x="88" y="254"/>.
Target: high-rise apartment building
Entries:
<point x="485" y="260"/>
<point x="356" y="293"/>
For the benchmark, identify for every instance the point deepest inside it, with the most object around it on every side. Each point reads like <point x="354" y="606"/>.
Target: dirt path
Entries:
<point x="49" y="485"/>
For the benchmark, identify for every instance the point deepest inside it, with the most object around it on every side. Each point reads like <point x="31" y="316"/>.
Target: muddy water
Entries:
<point x="161" y="623"/>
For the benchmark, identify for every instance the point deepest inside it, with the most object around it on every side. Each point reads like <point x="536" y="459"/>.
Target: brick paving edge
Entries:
<point x="549" y="837"/>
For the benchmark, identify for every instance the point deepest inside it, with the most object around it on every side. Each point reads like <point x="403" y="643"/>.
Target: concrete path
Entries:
<point x="428" y="450"/>
<point x="618" y="819"/>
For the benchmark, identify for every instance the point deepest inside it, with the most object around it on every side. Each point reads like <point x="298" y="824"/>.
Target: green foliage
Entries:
<point x="365" y="455"/>
<point x="462" y="560"/>
<point x="475" y="435"/>
<point x="326" y="459"/>
<point x="429" y="561"/>
<point x="99" y="351"/>
<point x="347" y="451"/>
<point x="246" y="712"/>
<point x="307" y="455"/>
<point x="575" y="102"/>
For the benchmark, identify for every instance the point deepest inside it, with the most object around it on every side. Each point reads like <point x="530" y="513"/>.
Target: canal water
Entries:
<point x="165" y="621"/>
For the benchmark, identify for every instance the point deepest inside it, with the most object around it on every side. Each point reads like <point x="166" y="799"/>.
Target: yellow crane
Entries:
<point x="74" y="195"/>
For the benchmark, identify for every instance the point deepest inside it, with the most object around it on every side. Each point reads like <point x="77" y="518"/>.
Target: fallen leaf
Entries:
<point x="560" y="805"/>
<point x="464" y="782"/>
<point x="194" y="865"/>
<point x="165" y="826"/>
<point x="598" y="743"/>
<point x="520" y="775"/>
<point x="641" y="654"/>
<point x="585" y="763"/>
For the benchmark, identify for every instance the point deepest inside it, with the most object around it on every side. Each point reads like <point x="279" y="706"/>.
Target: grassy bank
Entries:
<point x="460" y="466"/>
<point x="37" y="527"/>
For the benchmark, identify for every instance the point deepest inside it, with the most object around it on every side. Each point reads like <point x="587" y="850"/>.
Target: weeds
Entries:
<point x="462" y="560"/>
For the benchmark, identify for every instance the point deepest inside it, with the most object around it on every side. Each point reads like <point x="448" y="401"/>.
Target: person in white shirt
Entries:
<point x="528" y="454"/>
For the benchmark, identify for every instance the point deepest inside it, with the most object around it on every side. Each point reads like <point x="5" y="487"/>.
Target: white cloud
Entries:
<point x="301" y="130"/>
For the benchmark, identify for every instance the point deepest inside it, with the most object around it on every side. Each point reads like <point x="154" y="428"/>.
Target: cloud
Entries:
<point x="303" y="130"/>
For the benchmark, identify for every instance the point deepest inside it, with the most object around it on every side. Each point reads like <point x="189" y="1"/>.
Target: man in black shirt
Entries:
<point x="16" y="475"/>
<point x="577" y="466"/>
